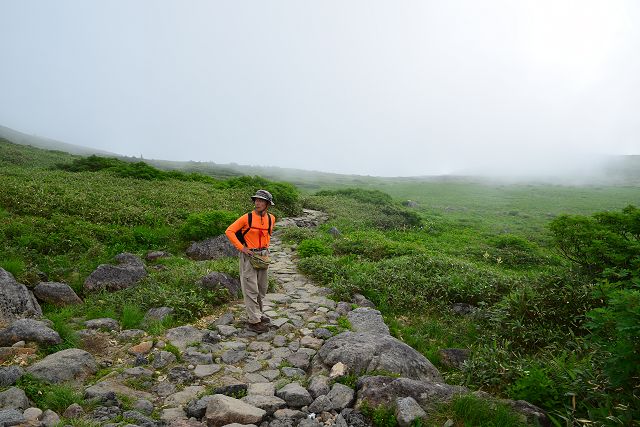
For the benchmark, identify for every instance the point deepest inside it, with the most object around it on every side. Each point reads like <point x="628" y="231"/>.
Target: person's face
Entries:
<point x="260" y="204"/>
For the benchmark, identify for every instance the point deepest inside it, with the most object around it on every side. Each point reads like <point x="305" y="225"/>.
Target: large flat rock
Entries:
<point x="366" y="352"/>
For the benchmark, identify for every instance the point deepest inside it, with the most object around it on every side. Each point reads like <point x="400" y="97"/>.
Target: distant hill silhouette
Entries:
<point x="614" y="170"/>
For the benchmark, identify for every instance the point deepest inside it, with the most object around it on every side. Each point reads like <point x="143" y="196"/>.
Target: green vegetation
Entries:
<point x="56" y="397"/>
<point x="557" y="333"/>
<point x="551" y="270"/>
<point x="61" y="216"/>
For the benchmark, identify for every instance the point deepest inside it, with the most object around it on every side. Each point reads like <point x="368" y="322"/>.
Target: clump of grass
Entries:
<point x="62" y="325"/>
<point x="15" y="266"/>
<point x="131" y="316"/>
<point x="56" y="397"/>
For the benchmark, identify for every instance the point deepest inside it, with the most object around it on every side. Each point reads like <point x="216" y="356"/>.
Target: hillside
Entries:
<point x="473" y="268"/>
<point x="611" y="170"/>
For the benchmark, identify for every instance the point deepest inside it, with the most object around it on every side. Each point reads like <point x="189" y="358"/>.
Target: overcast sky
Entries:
<point x="368" y="87"/>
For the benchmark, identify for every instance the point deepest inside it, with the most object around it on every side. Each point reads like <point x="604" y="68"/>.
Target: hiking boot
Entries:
<point x="258" y="327"/>
<point x="265" y="319"/>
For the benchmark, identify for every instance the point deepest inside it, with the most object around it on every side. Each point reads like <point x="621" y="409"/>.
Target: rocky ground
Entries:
<point x="216" y="372"/>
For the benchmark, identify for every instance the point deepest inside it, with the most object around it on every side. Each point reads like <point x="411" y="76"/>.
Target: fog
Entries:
<point x="413" y="88"/>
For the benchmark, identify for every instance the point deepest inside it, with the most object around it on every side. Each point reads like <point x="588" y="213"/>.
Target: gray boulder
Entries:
<point x="299" y="360"/>
<point x="407" y="411"/>
<point x="9" y="375"/>
<point x="183" y="336"/>
<point x="364" y="352"/>
<point x="380" y="390"/>
<point x="29" y="330"/>
<point x="129" y="271"/>
<point x="269" y="404"/>
<point x="196" y="408"/>
<point x="50" y="418"/>
<point x="16" y="301"/>
<point x="295" y="395"/>
<point x="65" y="365"/>
<point x="369" y="320"/>
<point x="14" y="398"/>
<point x="55" y="293"/>
<point x="319" y="386"/>
<point x="11" y="417"/>
<point x="321" y="404"/>
<point x="214" y="248"/>
<point x="341" y="396"/>
<point x="216" y="280"/>
<point x="362" y="301"/>
<point x="223" y="410"/>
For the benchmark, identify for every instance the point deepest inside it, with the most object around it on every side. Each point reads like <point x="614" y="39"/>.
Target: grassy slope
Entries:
<point x="64" y="224"/>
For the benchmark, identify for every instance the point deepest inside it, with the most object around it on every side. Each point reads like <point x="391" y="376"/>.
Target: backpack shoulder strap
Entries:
<point x="249" y="218"/>
<point x="269" y="215"/>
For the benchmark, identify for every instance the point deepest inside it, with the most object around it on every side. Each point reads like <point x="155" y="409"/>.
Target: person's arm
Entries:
<point x="237" y="225"/>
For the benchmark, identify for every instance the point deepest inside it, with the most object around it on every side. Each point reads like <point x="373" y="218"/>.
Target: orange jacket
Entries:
<point x="257" y="237"/>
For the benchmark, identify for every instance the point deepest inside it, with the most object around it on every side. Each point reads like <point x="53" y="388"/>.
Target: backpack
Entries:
<point x="240" y="234"/>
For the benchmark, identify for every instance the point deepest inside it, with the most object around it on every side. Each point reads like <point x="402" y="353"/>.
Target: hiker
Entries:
<point x="251" y="234"/>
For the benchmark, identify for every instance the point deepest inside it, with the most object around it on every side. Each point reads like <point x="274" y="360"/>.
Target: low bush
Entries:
<point x="548" y="309"/>
<point x="372" y="245"/>
<point x="202" y="225"/>
<point x="313" y="247"/>
<point x="514" y="251"/>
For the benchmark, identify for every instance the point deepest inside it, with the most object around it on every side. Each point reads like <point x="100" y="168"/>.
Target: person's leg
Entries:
<point x="249" y="284"/>
<point x="263" y="285"/>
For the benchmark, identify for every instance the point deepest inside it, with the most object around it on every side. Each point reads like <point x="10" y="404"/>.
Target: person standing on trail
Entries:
<point x="251" y="234"/>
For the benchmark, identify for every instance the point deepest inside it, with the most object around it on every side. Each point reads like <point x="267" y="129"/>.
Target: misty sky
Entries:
<point x="366" y="87"/>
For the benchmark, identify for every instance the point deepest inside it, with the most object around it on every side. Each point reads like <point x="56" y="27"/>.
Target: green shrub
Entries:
<point x="616" y="328"/>
<point x="126" y="169"/>
<point x="514" y="251"/>
<point x="604" y="240"/>
<point x="548" y="309"/>
<point x="535" y="387"/>
<point x="313" y="247"/>
<point x="372" y="245"/>
<point x="202" y="225"/>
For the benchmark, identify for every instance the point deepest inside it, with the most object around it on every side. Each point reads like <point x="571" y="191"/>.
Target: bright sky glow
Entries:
<point x="367" y="87"/>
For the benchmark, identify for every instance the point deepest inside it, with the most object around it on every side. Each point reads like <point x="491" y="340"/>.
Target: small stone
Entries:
<point x="73" y="411"/>
<point x="233" y="356"/>
<point x="263" y="389"/>
<point x="142" y="348"/>
<point x="202" y="371"/>
<point x="143" y="406"/>
<point x="227" y="331"/>
<point x="50" y="418"/>
<point x="338" y="370"/>
<point x="279" y="341"/>
<point x="32" y="414"/>
<point x="407" y="411"/>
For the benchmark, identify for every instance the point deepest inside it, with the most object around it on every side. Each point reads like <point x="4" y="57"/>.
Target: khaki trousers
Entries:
<point x="254" y="285"/>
